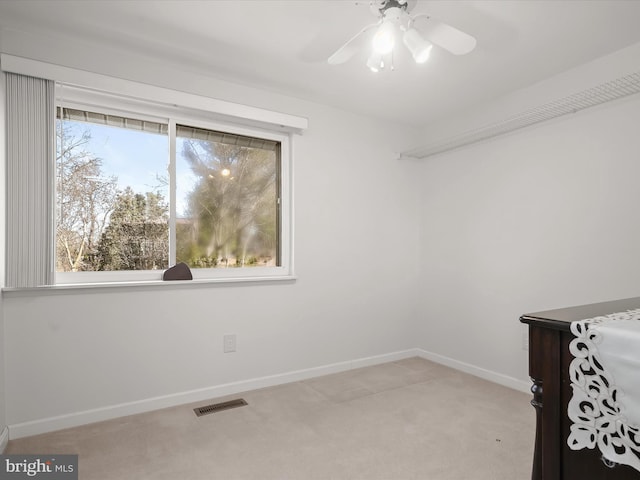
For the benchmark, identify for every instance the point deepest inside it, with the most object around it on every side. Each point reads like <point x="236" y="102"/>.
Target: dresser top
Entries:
<point x="561" y="318"/>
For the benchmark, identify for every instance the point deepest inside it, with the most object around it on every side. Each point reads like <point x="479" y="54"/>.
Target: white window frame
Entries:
<point x="101" y="102"/>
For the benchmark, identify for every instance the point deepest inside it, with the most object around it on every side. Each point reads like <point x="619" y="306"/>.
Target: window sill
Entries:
<point x="71" y="288"/>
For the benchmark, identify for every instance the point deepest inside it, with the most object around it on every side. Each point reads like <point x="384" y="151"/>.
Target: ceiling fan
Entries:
<point x="394" y="17"/>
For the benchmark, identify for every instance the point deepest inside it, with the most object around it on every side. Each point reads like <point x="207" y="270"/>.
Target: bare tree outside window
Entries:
<point x="84" y="199"/>
<point x="110" y="216"/>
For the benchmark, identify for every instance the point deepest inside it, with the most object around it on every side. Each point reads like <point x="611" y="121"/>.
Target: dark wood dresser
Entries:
<point x="549" y="359"/>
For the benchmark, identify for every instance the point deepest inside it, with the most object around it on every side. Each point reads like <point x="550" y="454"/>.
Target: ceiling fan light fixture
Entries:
<point x="375" y="62"/>
<point x="384" y="39"/>
<point x="422" y="55"/>
<point x="394" y="18"/>
<point x="420" y="48"/>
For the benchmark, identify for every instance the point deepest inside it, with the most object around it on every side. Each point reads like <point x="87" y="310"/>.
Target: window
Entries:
<point x="137" y="192"/>
<point x="142" y="177"/>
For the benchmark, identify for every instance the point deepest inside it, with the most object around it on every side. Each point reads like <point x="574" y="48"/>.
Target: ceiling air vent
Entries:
<point x="605" y="92"/>
<point x="219" y="407"/>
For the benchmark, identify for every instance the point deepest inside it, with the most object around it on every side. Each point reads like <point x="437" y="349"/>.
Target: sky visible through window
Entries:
<point x="139" y="160"/>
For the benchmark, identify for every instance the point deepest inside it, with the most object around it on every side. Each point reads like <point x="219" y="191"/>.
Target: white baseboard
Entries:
<point x="490" y="375"/>
<point x="45" y="425"/>
<point x="4" y="439"/>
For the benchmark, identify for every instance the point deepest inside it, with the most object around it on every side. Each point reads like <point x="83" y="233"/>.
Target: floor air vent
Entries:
<point x="219" y="407"/>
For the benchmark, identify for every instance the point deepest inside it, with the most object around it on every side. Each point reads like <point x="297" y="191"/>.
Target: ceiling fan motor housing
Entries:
<point x="382" y="7"/>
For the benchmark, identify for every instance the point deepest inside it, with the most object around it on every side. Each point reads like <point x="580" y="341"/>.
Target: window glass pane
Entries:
<point x="111" y="193"/>
<point x="227" y="192"/>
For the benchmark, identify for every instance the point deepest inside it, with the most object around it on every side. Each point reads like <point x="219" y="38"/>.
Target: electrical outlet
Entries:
<point x="229" y="343"/>
<point x="525" y="337"/>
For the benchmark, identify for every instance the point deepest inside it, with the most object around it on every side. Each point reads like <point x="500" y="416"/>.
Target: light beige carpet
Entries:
<point x="410" y="419"/>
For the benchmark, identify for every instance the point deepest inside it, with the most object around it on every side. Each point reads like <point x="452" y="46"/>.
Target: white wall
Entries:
<point x="543" y="218"/>
<point x="355" y="250"/>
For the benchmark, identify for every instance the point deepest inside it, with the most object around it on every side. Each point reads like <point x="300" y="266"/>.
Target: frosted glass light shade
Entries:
<point x="420" y="48"/>
<point x="374" y="62"/>
<point x="384" y="38"/>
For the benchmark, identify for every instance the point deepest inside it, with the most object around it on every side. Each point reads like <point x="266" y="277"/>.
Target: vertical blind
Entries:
<point x="30" y="105"/>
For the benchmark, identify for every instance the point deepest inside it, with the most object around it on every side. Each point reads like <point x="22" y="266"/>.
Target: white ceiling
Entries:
<point x="282" y="45"/>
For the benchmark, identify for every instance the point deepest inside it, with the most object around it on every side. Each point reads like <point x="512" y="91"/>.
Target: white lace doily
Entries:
<point x="597" y="408"/>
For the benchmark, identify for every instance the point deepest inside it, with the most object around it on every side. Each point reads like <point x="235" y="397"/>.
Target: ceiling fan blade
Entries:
<point x="448" y="37"/>
<point x="349" y="49"/>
